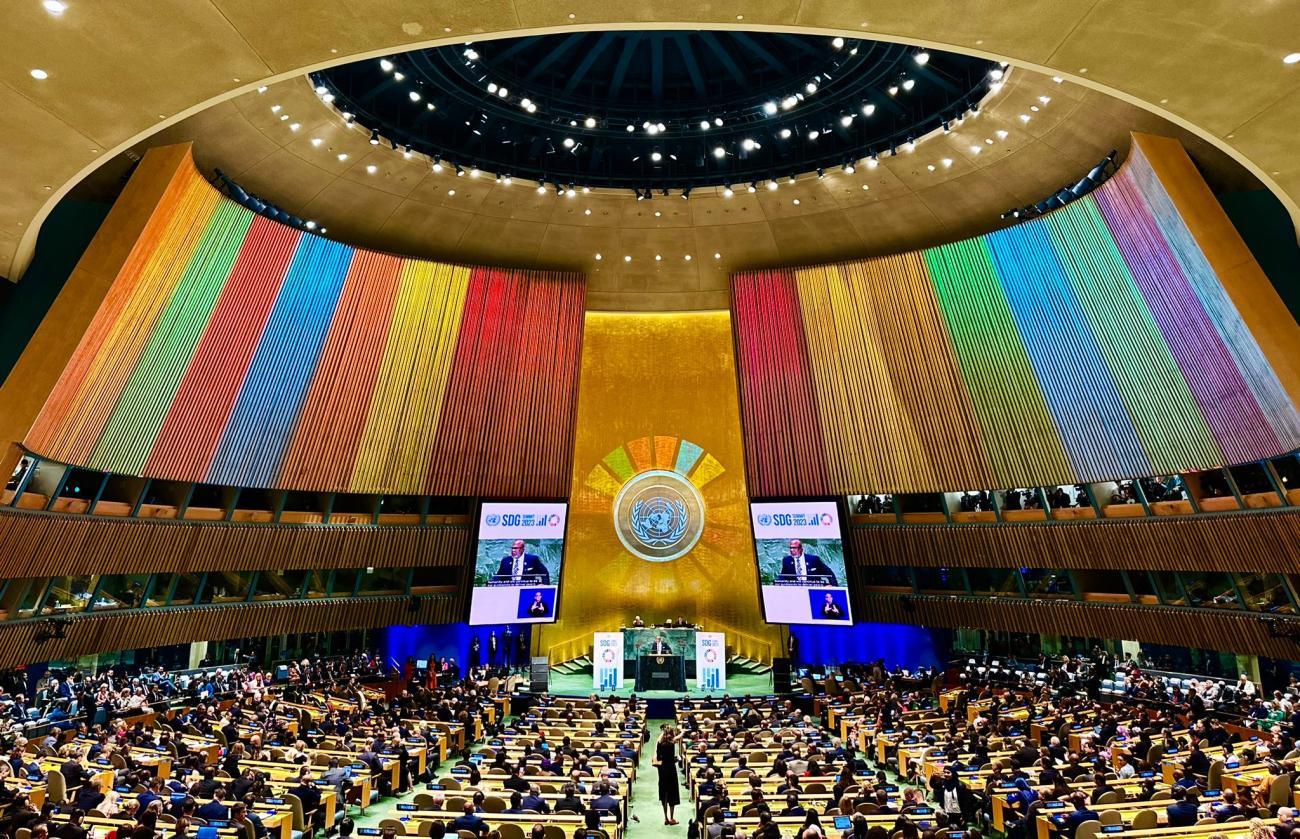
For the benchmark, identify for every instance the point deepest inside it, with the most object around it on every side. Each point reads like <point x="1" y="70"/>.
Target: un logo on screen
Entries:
<point x="659" y="515"/>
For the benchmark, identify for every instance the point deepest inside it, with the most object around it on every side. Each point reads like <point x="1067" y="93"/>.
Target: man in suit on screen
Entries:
<point x="520" y="565"/>
<point x="660" y="646"/>
<point x="805" y="569"/>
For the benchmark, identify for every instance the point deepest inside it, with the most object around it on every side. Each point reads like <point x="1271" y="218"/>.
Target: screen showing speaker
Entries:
<point x="517" y="563"/>
<point x="801" y="568"/>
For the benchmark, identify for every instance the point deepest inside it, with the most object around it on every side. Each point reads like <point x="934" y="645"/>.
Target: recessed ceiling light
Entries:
<point x="587" y="212"/>
<point x="39" y="74"/>
<point x="343" y="156"/>
<point x="262" y="89"/>
<point x="599" y="257"/>
<point x="589" y="122"/>
<point x="55" y="7"/>
<point x="316" y="141"/>
<point x="921" y="57"/>
<point x="719" y="152"/>
<point x="909" y="84"/>
<point x="771" y="185"/>
<point x="372" y="169"/>
<point x="451" y="192"/>
<point x="865" y="187"/>
<point x="275" y="109"/>
<point x="796" y="202"/>
<point x="293" y="126"/>
<point x="838" y="43"/>
<point x="414" y="95"/>
<point x="868" y="109"/>
<point x="568" y="142"/>
<point x="717" y="256"/>
<point x="385" y="65"/>
<point x="1291" y="58"/>
<point x="627" y="258"/>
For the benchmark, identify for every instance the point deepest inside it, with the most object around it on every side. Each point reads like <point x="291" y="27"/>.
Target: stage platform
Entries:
<point x="738" y="684"/>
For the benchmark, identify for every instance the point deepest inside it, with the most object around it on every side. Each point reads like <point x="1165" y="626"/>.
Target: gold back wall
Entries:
<point x="659" y="418"/>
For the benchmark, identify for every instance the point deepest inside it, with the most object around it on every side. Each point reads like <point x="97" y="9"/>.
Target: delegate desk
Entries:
<point x="416" y="821"/>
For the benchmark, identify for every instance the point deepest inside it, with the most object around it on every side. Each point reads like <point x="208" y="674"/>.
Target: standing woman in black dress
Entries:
<point x="670" y="793"/>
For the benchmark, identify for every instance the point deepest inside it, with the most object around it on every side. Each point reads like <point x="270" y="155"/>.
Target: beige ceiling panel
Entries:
<point x="805" y="240"/>
<point x="969" y="205"/>
<point x="116" y="68"/>
<point x="290" y="183"/>
<point x="420" y="230"/>
<point x="40" y="151"/>
<point x="350" y="209"/>
<point x="537" y="13"/>
<point x="1025" y="29"/>
<point x="1214" y="61"/>
<point x="296" y="33"/>
<point x="517" y="241"/>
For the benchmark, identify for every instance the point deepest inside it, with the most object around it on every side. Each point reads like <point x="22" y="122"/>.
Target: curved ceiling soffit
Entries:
<point x="26" y="246"/>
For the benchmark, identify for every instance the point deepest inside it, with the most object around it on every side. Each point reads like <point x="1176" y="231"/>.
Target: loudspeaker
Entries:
<point x="780" y="675"/>
<point x="539" y="674"/>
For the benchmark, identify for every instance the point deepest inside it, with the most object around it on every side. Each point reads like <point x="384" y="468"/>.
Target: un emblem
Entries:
<point x="658" y="515"/>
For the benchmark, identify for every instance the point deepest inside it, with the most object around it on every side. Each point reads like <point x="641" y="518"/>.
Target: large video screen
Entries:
<point x="517" y="563"/>
<point x="801" y="567"/>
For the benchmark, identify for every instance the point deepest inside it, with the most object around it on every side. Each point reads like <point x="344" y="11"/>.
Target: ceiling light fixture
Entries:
<point x="374" y="136"/>
<point x="769" y="107"/>
<point x="868" y="109"/>
<point x="838" y="43"/>
<point x="55" y="7"/>
<point x="414" y="95"/>
<point x="922" y="58"/>
<point x="385" y="65"/>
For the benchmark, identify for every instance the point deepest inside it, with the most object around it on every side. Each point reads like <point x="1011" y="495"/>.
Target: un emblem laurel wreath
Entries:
<point x="659" y="523"/>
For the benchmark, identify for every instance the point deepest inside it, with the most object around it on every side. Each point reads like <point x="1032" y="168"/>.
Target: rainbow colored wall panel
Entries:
<point x="1093" y="343"/>
<point x="232" y="349"/>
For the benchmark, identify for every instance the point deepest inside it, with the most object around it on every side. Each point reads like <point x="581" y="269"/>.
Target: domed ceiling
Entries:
<point x="658" y="110"/>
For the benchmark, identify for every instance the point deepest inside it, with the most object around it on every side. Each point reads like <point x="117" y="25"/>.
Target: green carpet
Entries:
<point x="738" y="684"/>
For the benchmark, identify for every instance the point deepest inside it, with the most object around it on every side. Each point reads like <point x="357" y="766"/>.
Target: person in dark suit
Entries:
<point x="797" y="566"/>
<point x="538" y="608"/>
<point x="660" y="646"/>
<point x="830" y="609"/>
<point x="1184" y="812"/>
<point x="520" y="564"/>
<point x="606" y="802"/>
<point x="468" y="820"/>
<point x="1082" y="813"/>
<point x="216" y="808"/>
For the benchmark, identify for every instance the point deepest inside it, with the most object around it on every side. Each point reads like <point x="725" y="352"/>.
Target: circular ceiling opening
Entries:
<point x="658" y="111"/>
